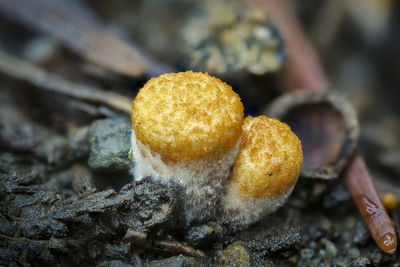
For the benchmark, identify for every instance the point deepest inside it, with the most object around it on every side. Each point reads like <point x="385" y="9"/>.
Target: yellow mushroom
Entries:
<point x="186" y="128"/>
<point x="265" y="171"/>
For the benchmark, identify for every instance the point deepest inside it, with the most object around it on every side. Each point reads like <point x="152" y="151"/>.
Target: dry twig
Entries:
<point x="139" y="241"/>
<point x="27" y="72"/>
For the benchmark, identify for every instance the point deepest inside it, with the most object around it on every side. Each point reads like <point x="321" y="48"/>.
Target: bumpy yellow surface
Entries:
<point x="187" y="116"/>
<point x="269" y="160"/>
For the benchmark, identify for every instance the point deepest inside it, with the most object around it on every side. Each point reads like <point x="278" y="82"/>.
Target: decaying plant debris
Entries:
<point x="66" y="195"/>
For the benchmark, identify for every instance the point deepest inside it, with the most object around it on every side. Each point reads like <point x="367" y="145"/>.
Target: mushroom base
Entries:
<point x="203" y="180"/>
<point x="239" y="211"/>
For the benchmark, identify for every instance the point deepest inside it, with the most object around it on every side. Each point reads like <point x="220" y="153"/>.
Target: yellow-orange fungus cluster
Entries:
<point x="269" y="160"/>
<point x="188" y="129"/>
<point x="187" y="116"/>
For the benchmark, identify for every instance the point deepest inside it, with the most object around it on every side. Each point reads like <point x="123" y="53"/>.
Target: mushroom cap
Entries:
<point x="187" y="116"/>
<point x="269" y="160"/>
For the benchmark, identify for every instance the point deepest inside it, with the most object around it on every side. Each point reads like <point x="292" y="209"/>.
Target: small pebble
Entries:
<point x="307" y="253"/>
<point x="330" y="248"/>
<point x="361" y="235"/>
<point x="353" y="253"/>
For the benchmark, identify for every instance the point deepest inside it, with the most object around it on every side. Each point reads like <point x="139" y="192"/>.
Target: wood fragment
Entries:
<point x="85" y="38"/>
<point x="27" y="72"/>
<point x="139" y="241"/>
<point x="178" y="248"/>
<point x="364" y="193"/>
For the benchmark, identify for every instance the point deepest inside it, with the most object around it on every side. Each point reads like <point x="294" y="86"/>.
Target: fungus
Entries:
<point x="265" y="171"/>
<point x="186" y="128"/>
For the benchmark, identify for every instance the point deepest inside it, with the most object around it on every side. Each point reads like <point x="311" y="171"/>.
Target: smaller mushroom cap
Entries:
<point x="269" y="160"/>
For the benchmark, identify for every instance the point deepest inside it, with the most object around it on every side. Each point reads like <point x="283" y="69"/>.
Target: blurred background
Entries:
<point x="67" y="63"/>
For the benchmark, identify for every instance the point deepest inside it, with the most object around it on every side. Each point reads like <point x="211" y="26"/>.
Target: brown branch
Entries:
<point x="364" y="193"/>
